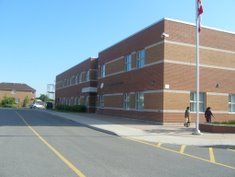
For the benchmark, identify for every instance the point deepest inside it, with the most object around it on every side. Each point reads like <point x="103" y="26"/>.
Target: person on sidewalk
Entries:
<point x="208" y="114"/>
<point x="187" y="117"/>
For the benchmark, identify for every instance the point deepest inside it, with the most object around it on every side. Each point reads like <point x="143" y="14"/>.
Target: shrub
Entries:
<point x="74" y="108"/>
<point x="8" y="102"/>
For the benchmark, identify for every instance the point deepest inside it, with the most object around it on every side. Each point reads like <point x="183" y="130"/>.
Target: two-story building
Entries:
<point x="152" y="74"/>
<point x="18" y="91"/>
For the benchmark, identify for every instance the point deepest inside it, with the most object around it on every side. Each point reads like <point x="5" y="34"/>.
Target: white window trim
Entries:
<point x="128" y="63"/>
<point x="231" y="103"/>
<point x="140" y="58"/>
<point x="126" y="101"/>
<point x="200" y="102"/>
<point x="139" y="101"/>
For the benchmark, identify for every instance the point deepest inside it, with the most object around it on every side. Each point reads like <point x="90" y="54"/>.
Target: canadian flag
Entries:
<point x="199" y="12"/>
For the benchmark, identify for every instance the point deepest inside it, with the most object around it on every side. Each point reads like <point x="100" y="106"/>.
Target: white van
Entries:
<point x="38" y="104"/>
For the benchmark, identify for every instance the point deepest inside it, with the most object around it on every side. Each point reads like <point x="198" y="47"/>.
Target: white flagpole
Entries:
<point x="197" y="131"/>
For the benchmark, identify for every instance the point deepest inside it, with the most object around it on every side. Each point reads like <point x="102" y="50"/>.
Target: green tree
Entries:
<point x="44" y="98"/>
<point x="26" y="101"/>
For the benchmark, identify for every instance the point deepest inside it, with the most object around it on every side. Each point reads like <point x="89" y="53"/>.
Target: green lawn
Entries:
<point x="231" y="122"/>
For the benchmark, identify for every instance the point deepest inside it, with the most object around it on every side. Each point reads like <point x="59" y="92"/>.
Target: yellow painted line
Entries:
<point x="159" y="145"/>
<point x="184" y="154"/>
<point x="57" y="153"/>
<point x="211" y="153"/>
<point x="182" y="149"/>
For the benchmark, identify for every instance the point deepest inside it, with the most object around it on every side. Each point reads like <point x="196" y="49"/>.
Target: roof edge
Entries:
<point x="169" y="19"/>
<point x="162" y="19"/>
<point x="193" y="24"/>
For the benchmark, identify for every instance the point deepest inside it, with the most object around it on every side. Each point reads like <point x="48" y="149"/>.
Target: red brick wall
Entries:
<point x="186" y="33"/>
<point x="133" y="43"/>
<point x="137" y="80"/>
<point x="75" y="90"/>
<point x="178" y="51"/>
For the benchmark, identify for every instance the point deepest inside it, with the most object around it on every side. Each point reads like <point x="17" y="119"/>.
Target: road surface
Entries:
<point x="37" y="144"/>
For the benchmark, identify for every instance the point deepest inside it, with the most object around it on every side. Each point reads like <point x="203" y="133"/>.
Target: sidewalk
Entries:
<point x="148" y="131"/>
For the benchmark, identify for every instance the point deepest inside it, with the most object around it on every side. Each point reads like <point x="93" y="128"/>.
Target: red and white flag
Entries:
<point x="199" y="13"/>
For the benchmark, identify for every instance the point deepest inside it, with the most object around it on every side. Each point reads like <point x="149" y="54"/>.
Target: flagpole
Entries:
<point x="197" y="131"/>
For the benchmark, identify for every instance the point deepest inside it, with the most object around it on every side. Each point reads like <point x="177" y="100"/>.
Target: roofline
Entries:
<point x="133" y="34"/>
<point x="193" y="24"/>
<point x="169" y="19"/>
<point x="21" y="89"/>
<point x="90" y="58"/>
<point x="10" y="89"/>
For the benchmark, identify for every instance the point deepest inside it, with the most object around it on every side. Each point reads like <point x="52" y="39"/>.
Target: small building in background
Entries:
<point x="19" y="91"/>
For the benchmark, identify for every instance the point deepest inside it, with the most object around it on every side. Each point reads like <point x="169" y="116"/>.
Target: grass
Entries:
<point x="230" y="122"/>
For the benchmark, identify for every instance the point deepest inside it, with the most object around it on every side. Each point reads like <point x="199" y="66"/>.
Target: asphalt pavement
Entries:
<point x="33" y="140"/>
<point x="148" y="131"/>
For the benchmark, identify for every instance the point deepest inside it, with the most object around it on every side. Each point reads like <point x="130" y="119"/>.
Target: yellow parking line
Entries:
<point x="182" y="149"/>
<point x="211" y="153"/>
<point x="57" y="153"/>
<point x="159" y="145"/>
<point x="174" y="151"/>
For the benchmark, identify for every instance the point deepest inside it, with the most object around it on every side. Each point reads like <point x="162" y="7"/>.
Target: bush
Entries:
<point x="8" y="102"/>
<point x="9" y="106"/>
<point x="74" y="108"/>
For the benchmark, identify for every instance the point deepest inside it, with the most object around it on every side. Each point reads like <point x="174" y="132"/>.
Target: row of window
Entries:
<point x="70" y="101"/>
<point x="202" y="105"/>
<point x="128" y="62"/>
<point x="139" y="101"/>
<point x="126" y="102"/>
<point x="74" y="80"/>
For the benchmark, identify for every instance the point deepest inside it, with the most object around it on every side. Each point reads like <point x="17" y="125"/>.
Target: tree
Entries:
<point x="26" y="101"/>
<point x="44" y="98"/>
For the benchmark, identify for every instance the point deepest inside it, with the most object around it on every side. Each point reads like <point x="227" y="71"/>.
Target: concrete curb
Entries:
<point x="179" y="137"/>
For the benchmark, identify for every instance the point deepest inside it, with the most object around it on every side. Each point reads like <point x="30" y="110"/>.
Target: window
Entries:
<point x="139" y="101"/>
<point x="140" y="58"/>
<point x="102" y="71"/>
<point x="193" y="102"/>
<point x="231" y="103"/>
<point x="87" y="100"/>
<point x="67" y="101"/>
<point x="88" y="75"/>
<point x="71" y="101"/>
<point x="17" y="100"/>
<point x="63" y="100"/>
<point x="78" y="100"/>
<point x="68" y="82"/>
<point x="101" y="101"/>
<point x="72" y="80"/>
<point x="13" y="91"/>
<point x="77" y="79"/>
<point x="80" y="77"/>
<point x="128" y="63"/>
<point x="126" y="103"/>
